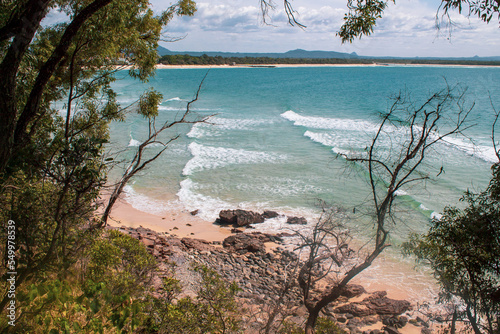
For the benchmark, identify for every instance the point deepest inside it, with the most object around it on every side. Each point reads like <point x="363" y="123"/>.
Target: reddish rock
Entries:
<point x="269" y="214"/>
<point x="239" y="217"/>
<point x="377" y="303"/>
<point x="352" y="290"/>
<point x="197" y="244"/>
<point x="296" y="220"/>
<point x="149" y="243"/>
<point x="242" y="243"/>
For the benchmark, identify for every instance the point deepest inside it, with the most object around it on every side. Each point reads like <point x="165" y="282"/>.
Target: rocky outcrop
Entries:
<point x="377" y="303"/>
<point x="296" y="220"/>
<point x="242" y="243"/>
<point x="239" y="218"/>
<point x="197" y="244"/>
<point x="270" y="214"/>
<point x="261" y="277"/>
<point x="352" y="290"/>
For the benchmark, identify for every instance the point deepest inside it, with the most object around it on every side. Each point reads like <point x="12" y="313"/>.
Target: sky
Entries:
<point x="407" y="29"/>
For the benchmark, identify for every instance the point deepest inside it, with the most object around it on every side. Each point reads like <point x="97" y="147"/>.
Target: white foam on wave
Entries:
<point x="168" y="108"/>
<point x="135" y="143"/>
<point x="143" y="202"/>
<point x="436" y="216"/>
<point x="339" y="143"/>
<point x="209" y="157"/>
<point x="174" y="99"/>
<point x="423" y="207"/>
<point x="400" y="192"/>
<point x="483" y="152"/>
<point x="217" y="125"/>
<point x="317" y="122"/>
<point x="208" y="207"/>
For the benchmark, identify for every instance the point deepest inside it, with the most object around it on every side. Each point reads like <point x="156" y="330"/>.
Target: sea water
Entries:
<point x="274" y="135"/>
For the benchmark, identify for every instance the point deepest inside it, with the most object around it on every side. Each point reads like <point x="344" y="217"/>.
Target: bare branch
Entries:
<point x="138" y="162"/>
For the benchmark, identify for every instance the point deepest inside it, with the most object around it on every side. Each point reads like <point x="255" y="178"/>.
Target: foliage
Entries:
<point x="463" y="250"/>
<point x="213" y="310"/>
<point x="327" y="326"/>
<point x="219" y="60"/>
<point x="104" y="292"/>
<point x="109" y="291"/>
<point x="361" y="19"/>
<point x="56" y="103"/>
<point x="363" y="14"/>
<point x="323" y="326"/>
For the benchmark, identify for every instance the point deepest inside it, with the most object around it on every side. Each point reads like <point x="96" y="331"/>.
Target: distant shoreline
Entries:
<point x="162" y="66"/>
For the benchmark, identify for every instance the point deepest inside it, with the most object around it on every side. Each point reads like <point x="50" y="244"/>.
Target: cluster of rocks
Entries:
<point x="244" y="218"/>
<point x="261" y="275"/>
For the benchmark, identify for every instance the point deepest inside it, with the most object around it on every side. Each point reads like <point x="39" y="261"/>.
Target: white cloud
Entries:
<point x="406" y="29"/>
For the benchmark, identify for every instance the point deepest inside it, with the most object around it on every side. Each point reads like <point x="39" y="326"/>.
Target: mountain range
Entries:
<point x="299" y="53"/>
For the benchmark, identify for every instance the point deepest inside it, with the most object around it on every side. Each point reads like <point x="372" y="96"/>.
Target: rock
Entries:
<point x="341" y="319"/>
<point x="296" y="220"/>
<point x="377" y="303"/>
<point x="195" y="212"/>
<point x="269" y="214"/>
<point x="390" y="330"/>
<point x="237" y="230"/>
<point x="352" y="290"/>
<point x="242" y="243"/>
<point x="239" y="217"/>
<point x="149" y="243"/>
<point x="196" y="244"/>
<point x="285" y="234"/>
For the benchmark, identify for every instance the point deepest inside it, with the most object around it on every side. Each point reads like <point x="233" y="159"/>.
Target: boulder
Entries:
<point x="296" y="220"/>
<point x="352" y="290"/>
<point x="197" y="244"/>
<point x="377" y="303"/>
<point x="239" y="217"/>
<point x="269" y="214"/>
<point x="390" y="330"/>
<point x="242" y="243"/>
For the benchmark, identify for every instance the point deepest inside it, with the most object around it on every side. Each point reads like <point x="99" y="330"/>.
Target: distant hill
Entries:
<point x="304" y="54"/>
<point x="299" y="53"/>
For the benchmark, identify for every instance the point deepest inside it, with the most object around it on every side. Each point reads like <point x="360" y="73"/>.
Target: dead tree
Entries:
<point x="419" y="129"/>
<point x="139" y="161"/>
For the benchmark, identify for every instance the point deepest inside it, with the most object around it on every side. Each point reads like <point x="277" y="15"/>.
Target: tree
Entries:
<point x="418" y="130"/>
<point x="149" y="109"/>
<point x="52" y="163"/>
<point x="463" y="250"/>
<point x="39" y="63"/>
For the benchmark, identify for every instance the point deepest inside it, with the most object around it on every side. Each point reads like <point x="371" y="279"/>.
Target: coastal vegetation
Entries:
<point x="63" y="272"/>
<point x="219" y="60"/>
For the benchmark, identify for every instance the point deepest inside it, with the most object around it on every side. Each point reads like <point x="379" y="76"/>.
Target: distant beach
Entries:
<point x="162" y="66"/>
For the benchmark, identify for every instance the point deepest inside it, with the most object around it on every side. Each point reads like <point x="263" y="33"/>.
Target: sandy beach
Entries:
<point x="181" y="224"/>
<point x="176" y="223"/>
<point x="162" y="66"/>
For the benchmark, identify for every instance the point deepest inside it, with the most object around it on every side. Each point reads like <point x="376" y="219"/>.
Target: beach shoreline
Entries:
<point x="163" y="66"/>
<point x="181" y="223"/>
<point x="177" y="223"/>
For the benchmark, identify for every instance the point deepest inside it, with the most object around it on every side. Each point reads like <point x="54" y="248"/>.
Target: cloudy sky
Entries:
<point x="407" y="29"/>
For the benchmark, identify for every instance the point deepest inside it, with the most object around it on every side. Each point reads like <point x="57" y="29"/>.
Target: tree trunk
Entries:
<point x="311" y="320"/>
<point x="453" y="322"/>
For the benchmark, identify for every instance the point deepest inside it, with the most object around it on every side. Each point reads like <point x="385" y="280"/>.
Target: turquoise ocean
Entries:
<point x="275" y="133"/>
